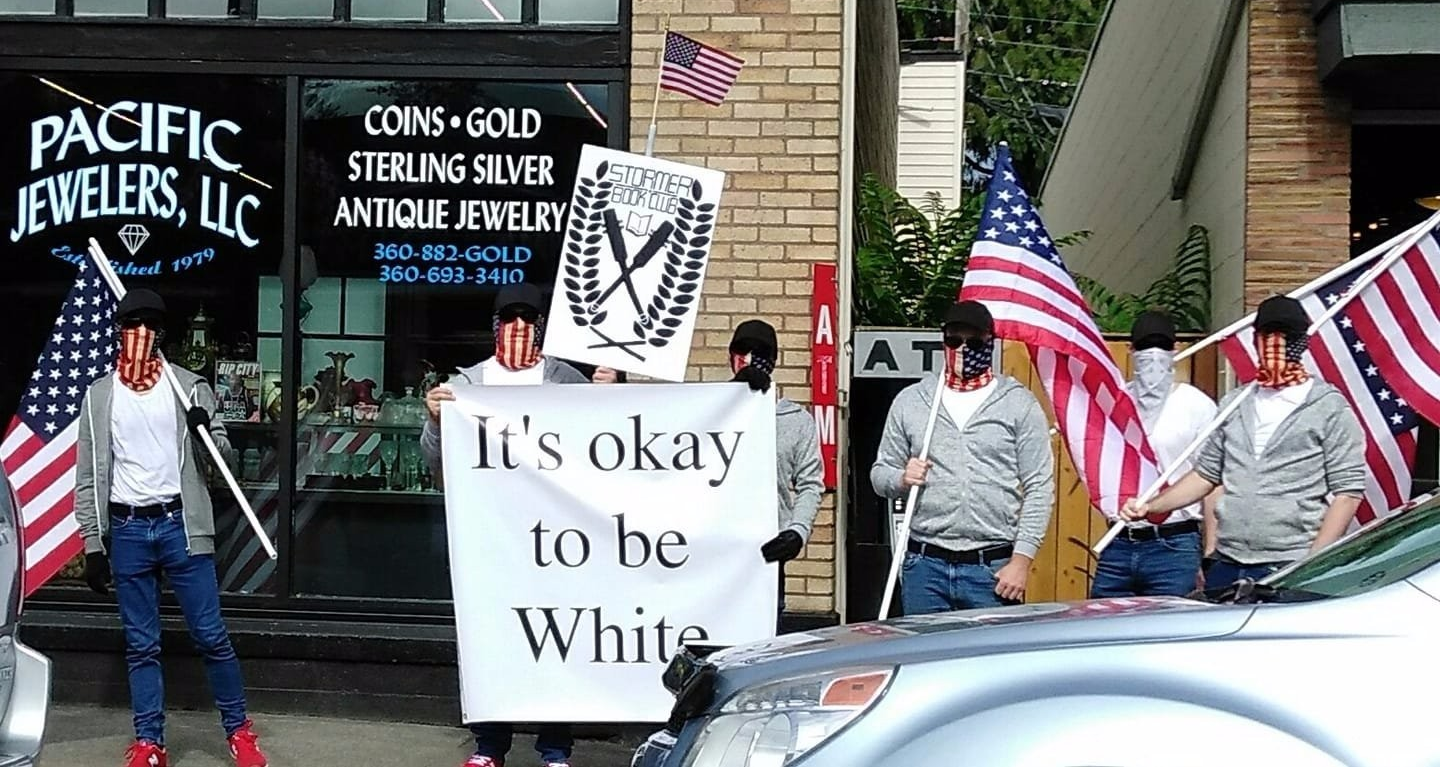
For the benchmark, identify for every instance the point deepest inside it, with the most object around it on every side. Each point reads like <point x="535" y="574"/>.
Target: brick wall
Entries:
<point x="1297" y="206"/>
<point x="778" y="138"/>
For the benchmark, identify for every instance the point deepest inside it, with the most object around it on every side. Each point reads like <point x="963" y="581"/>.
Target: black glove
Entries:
<point x="758" y="379"/>
<point x="97" y="572"/>
<point x="197" y="418"/>
<point x="783" y="547"/>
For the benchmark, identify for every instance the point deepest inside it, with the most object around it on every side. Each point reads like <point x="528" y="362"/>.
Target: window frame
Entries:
<point x="134" y="46"/>
<point x="340" y="11"/>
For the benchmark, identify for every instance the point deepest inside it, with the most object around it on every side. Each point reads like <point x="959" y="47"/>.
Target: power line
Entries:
<point x="992" y="40"/>
<point x="1020" y="79"/>
<point x="951" y="11"/>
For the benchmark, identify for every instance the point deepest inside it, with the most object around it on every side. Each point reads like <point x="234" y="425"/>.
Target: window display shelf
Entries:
<point x="371" y="498"/>
<point x="331" y="425"/>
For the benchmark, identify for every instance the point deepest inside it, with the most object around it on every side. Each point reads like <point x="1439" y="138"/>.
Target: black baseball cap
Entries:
<point x="1281" y="314"/>
<point x="520" y="295"/>
<point x="753" y="336"/>
<point x="970" y="315"/>
<point x="141" y="303"/>
<point x="1152" y="330"/>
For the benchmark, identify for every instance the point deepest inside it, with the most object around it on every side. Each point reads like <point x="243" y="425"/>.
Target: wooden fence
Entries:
<point x="1065" y="564"/>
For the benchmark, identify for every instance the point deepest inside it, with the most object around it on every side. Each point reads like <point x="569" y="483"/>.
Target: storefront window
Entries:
<point x="27" y="6"/>
<point x="419" y="199"/>
<point x="579" y="11"/>
<point x="296" y="9"/>
<point x="111" y="7"/>
<point x="180" y="182"/>
<point x="388" y="10"/>
<point x="209" y="9"/>
<point x="482" y="10"/>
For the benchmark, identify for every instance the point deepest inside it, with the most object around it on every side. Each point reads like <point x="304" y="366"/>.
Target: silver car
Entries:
<point x="1334" y="660"/>
<point x="24" y="673"/>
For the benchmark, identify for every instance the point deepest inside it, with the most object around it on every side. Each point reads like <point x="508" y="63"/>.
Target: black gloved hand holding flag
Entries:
<point x="197" y="418"/>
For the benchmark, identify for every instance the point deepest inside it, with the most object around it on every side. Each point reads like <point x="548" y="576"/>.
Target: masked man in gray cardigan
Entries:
<point x="144" y="511"/>
<point x="519" y="325"/>
<point x="988" y="486"/>
<point x="754" y="349"/>
<point x="1291" y="461"/>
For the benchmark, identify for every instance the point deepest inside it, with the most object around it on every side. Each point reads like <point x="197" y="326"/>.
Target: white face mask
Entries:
<point x="1154" y="378"/>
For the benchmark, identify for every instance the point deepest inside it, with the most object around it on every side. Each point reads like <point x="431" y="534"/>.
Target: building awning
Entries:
<point x="1385" y="54"/>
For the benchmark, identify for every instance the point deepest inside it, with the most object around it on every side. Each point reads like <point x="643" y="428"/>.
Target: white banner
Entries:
<point x="593" y="530"/>
<point x="633" y="265"/>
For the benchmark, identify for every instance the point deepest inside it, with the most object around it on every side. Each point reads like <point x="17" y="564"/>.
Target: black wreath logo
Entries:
<point x="684" y="240"/>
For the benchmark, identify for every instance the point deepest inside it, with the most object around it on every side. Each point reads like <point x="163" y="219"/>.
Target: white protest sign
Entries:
<point x="633" y="264"/>
<point x="595" y="529"/>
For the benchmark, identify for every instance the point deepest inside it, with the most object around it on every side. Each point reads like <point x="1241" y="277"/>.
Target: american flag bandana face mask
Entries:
<point x="138" y="367"/>
<point x="974" y="367"/>
<point x="517" y="344"/>
<point x="1280" y="360"/>
<point x="739" y="362"/>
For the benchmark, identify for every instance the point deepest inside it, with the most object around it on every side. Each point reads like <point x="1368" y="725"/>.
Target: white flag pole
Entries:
<point x="111" y="278"/>
<point x="902" y="538"/>
<point x="1304" y="290"/>
<point x="1397" y="251"/>
<point x="655" y="105"/>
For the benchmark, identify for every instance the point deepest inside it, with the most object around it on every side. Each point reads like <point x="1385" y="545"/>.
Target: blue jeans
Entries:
<point x="1159" y="567"/>
<point x="1225" y="573"/>
<point x="554" y="742"/>
<point x="932" y="585"/>
<point x="140" y="550"/>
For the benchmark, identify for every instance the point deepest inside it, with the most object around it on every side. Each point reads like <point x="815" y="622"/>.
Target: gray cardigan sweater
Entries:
<point x="1273" y="505"/>
<point x="93" y="460"/>
<point x="992" y="483"/>
<point x="797" y="467"/>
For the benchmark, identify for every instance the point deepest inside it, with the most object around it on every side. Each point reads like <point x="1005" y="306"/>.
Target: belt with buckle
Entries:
<point x="1153" y="532"/>
<point x="972" y="557"/>
<point x="124" y="510"/>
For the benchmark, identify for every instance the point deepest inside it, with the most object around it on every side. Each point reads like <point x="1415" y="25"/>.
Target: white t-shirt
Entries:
<point x="1273" y="406"/>
<point x="145" y="445"/>
<point x="963" y="404"/>
<point x="496" y="374"/>
<point x="1186" y="411"/>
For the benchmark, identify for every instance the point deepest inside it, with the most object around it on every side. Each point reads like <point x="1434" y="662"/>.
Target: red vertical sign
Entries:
<point x="824" y="365"/>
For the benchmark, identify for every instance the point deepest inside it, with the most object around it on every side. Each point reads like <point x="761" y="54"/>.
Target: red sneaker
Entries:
<point x="480" y="761"/>
<point x="244" y="748"/>
<point x="145" y="754"/>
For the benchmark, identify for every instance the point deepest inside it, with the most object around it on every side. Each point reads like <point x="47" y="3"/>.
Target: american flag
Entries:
<point x="1338" y="356"/>
<point x="38" y="450"/>
<point x="696" y="69"/>
<point x="1017" y="272"/>
<point x="1397" y="318"/>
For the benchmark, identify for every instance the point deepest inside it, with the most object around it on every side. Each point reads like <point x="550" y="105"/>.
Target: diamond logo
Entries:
<point x="134" y="236"/>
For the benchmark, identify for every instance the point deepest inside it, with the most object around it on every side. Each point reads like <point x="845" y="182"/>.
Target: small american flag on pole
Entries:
<point x="38" y="450"/>
<point x="1016" y="271"/>
<point x="696" y="69"/>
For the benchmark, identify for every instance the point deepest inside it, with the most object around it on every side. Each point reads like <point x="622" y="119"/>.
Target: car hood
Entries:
<point x="966" y="633"/>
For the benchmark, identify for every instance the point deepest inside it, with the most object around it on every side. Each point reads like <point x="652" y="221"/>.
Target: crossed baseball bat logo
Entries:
<point x="628" y="267"/>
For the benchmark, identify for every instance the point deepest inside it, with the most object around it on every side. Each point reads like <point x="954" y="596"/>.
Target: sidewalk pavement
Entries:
<point x="87" y="736"/>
